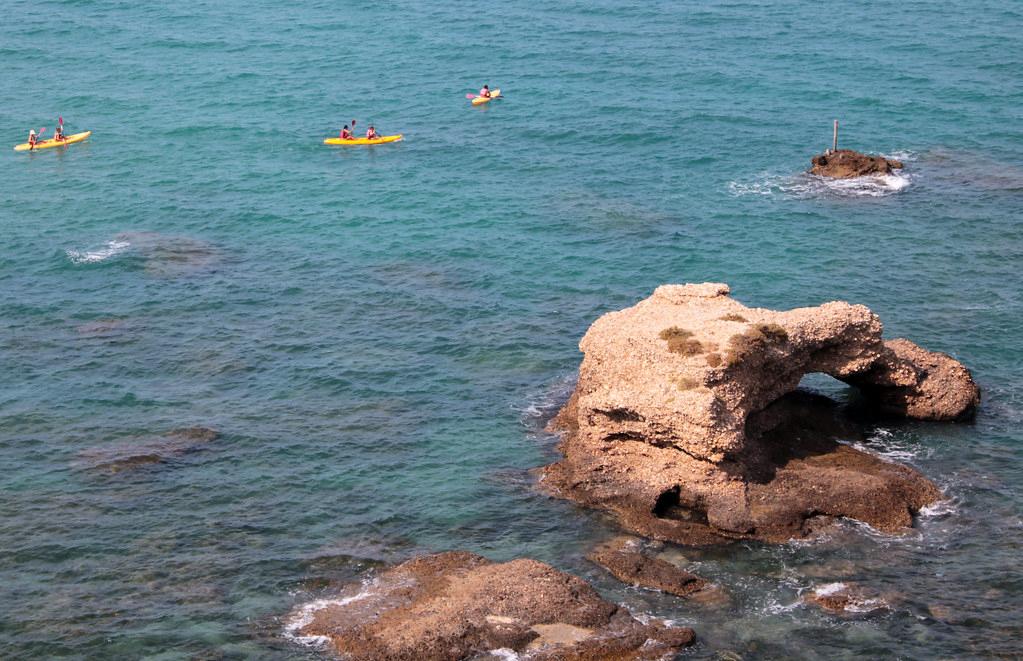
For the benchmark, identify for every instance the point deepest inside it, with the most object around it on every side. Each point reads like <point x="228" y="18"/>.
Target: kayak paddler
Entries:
<point x="485" y="92"/>
<point x="371" y="133"/>
<point x="32" y="138"/>
<point x="58" y="133"/>
<point x="345" y="133"/>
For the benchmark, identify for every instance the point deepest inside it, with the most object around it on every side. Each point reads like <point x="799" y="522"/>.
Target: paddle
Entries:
<point x="470" y="96"/>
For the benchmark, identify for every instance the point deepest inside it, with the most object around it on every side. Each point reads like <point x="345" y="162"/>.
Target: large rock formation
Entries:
<point x="458" y="605"/>
<point x="846" y="163"/>
<point x="681" y="425"/>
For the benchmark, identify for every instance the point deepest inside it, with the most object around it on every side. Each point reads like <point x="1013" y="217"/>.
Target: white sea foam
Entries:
<point x="304" y="614"/>
<point x="775" y="607"/>
<point x="904" y="155"/>
<point x="892" y="448"/>
<point x="939" y="509"/>
<point x="505" y="653"/>
<point x="879" y="186"/>
<point x="542" y="406"/>
<point x="766" y="186"/>
<point x="829" y="589"/>
<point x="108" y="250"/>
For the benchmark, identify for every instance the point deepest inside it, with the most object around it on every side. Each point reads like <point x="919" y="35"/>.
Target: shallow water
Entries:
<point x="379" y="334"/>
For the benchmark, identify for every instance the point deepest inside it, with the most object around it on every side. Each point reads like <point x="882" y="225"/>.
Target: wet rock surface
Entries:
<point x="684" y="422"/>
<point x="846" y="164"/>
<point x="459" y="605"/>
<point x="625" y="559"/>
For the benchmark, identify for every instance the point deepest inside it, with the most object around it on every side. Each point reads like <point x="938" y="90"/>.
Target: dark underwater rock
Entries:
<point x="147" y="451"/>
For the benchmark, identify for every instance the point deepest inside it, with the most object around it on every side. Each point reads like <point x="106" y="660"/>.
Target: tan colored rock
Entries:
<point x="456" y="605"/>
<point x="678" y="422"/>
<point x="846" y="164"/>
<point x="685" y="367"/>
<point x="920" y="384"/>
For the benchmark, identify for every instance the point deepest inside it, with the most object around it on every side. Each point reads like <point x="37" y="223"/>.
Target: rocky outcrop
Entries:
<point x="846" y="164"/>
<point x="682" y="423"/>
<point x="459" y="605"/>
<point x="625" y="560"/>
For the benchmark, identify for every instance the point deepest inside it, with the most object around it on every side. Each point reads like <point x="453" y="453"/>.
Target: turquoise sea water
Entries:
<point x="380" y="334"/>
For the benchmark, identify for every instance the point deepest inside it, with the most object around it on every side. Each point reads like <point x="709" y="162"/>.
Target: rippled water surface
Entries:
<point x="379" y="334"/>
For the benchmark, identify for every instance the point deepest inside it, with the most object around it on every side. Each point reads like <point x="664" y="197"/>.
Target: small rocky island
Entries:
<point x="846" y="164"/>
<point x="458" y="605"/>
<point x="685" y="423"/>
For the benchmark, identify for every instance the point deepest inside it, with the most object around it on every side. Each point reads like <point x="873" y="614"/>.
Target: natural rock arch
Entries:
<point x="681" y="398"/>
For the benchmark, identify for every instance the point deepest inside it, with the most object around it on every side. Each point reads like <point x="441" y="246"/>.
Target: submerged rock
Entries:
<point x="169" y="256"/>
<point x="456" y="605"/>
<point x="103" y="328"/>
<point x="846" y="599"/>
<point x="147" y="451"/>
<point x="624" y="558"/>
<point x="846" y="164"/>
<point x="681" y="426"/>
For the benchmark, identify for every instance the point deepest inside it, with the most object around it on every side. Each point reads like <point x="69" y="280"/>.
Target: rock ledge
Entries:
<point x="458" y="605"/>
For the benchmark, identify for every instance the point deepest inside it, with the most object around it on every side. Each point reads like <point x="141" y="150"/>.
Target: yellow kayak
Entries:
<point x="363" y="141"/>
<point x="486" y="99"/>
<point x="47" y="144"/>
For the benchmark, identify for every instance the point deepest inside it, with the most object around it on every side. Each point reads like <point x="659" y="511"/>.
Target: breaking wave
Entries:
<point x="94" y="255"/>
<point x="893" y="448"/>
<point x="302" y="616"/>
